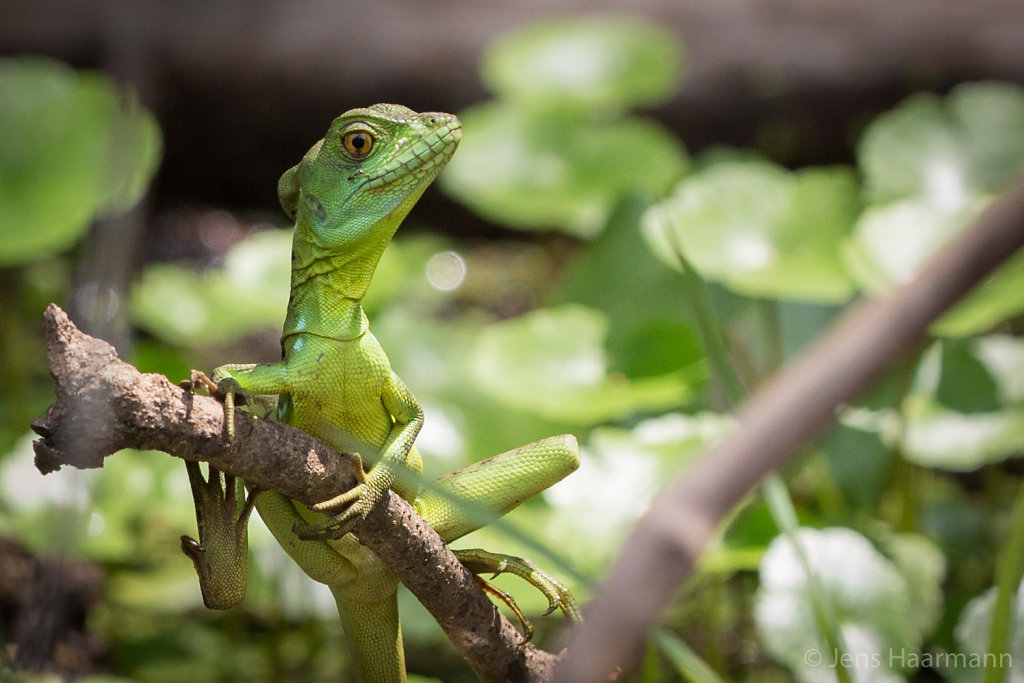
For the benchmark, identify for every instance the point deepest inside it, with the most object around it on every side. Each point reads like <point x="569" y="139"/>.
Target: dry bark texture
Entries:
<point x="104" y="404"/>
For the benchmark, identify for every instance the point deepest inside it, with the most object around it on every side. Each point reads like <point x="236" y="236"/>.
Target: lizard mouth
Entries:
<point x="421" y="160"/>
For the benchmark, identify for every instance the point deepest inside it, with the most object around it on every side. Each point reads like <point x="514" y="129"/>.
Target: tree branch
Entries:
<point x="104" y="404"/>
<point x="783" y="416"/>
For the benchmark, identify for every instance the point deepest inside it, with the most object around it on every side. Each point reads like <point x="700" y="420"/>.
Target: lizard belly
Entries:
<point x="336" y="392"/>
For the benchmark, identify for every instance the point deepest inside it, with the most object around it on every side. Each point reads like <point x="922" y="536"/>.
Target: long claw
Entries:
<point x="353" y="504"/>
<point x="510" y="603"/>
<point x="225" y="388"/>
<point x="197" y="379"/>
<point x="333" y="528"/>
<point x="557" y="594"/>
<point x="340" y="501"/>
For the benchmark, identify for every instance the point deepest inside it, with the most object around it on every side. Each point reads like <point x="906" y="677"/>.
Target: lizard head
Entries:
<point x="355" y="186"/>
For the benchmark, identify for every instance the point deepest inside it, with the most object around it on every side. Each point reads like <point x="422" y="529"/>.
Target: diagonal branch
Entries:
<point x="104" y="404"/>
<point x="787" y="413"/>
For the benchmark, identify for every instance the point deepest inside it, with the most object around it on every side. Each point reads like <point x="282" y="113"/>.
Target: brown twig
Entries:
<point x="104" y="404"/>
<point x="794" y="407"/>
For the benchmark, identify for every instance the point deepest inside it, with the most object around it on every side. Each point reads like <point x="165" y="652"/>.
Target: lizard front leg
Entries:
<point x="241" y="379"/>
<point x="357" y="502"/>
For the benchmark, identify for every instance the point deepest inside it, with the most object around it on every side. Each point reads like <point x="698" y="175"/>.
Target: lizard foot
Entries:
<point x="558" y="595"/>
<point x="220" y="555"/>
<point x="354" y="504"/>
<point x="225" y="388"/>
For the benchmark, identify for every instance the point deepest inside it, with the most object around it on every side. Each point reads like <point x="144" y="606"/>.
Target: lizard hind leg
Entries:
<point x="469" y="498"/>
<point x="220" y="556"/>
<point x="481" y="561"/>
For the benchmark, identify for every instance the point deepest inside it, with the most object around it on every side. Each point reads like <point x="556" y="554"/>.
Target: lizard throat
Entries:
<point x="325" y="305"/>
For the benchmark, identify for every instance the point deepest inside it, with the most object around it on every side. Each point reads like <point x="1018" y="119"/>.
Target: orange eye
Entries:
<point x="358" y="143"/>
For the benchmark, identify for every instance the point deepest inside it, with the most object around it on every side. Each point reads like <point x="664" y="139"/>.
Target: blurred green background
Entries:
<point x="796" y="158"/>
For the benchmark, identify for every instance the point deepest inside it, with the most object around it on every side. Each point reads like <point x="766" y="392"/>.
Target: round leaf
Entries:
<point x="759" y="229"/>
<point x="250" y="292"/>
<point x="602" y="499"/>
<point x="969" y="431"/>
<point x="891" y="242"/>
<point x="594" y="61"/>
<point x="551" y="363"/>
<point x="868" y="595"/>
<point x="972" y="635"/>
<point x="74" y="146"/>
<point x="923" y="566"/>
<point x="531" y="169"/>
<point x="946" y="152"/>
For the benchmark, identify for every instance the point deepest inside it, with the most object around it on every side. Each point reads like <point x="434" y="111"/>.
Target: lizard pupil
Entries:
<point x="358" y="143"/>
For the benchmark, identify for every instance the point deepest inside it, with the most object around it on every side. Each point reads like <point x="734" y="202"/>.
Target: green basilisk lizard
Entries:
<point x="347" y="197"/>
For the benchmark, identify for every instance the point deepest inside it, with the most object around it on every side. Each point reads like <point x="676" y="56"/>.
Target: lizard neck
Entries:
<point x="327" y="292"/>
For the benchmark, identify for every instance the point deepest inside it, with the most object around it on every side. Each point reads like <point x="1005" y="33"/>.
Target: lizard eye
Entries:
<point x="358" y="143"/>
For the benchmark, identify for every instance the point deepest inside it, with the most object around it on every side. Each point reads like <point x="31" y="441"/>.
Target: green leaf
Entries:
<point x="891" y="242"/>
<point x="859" y="462"/>
<point x="1000" y="296"/>
<point x="601" y="501"/>
<point x="597" y="62"/>
<point x="759" y="229"/>
<point x="533" y="169"/>
<point x="932" y="165"/>
<point x="188" y="308"/>
<point x="869" y="594"/>
<point x="972" y="635"/>
<point x="946" y="153"/>
<point x="985" y="424"/>
<point x="75" y="146"/>
<point x="551" y="362"/>
<point x="923" y="566"/>
<point x="964" y="410"/>
<point x="991" y="119"/>
<point x="945" y="439"/>
<point x="611" y="275"/>
<point x="966" y="384"/>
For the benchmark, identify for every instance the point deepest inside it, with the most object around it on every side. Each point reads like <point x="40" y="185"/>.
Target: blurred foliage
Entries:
<point x="249" y="292"/>
<point x="75" y="146"/>
<point x="584" y="325"/>
<point x="568" y="150"/>
<point x="884" y="604"/>
<point x="760" y="230"/>
<point x="930" y="166"/>
<point x="605" y="63"/>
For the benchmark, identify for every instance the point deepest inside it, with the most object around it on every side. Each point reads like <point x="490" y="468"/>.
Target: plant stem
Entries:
<point x="780" y="505"/>
<point x="1009" y="570"/>
<point x="685" y="660"/>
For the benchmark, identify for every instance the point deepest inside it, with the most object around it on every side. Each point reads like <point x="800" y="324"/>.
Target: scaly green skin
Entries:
<point x="336" y="383"/>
